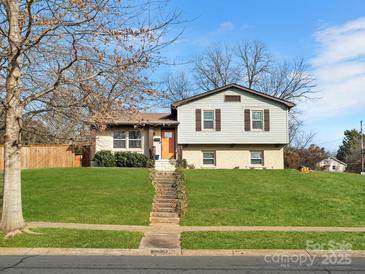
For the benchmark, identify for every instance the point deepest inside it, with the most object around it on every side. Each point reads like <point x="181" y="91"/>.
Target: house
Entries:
<point x="332" y="164"/>
<point x="227" y="127"/>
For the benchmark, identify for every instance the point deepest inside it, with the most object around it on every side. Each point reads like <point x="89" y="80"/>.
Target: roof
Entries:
<point x="239" y="87"/>
<point x="335" y="159"/>
<point x="143" y="118"/>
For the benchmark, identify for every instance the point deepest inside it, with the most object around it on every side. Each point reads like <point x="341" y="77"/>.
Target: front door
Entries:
<point x="168" y="144"/>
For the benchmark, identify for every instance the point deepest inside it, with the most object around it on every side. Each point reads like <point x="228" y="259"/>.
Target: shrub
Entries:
<point x="150" y="163"/>
<point x="132" y="159"/>
<point x="182" y="164"/>
<point x="181" y="192"/>
<point x="105" y="158"/>
<point x="121" y="159"/>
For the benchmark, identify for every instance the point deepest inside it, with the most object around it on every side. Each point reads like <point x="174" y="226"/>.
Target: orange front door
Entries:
<point x="168" y="144"/>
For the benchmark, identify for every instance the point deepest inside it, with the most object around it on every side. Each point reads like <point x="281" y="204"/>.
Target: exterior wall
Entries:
<point x="104" y="141"/>
<point x="228" y="156"/>
<point x="157" y="145"/>
<point x="232" y="121"/>
<point x="328" y="164"/>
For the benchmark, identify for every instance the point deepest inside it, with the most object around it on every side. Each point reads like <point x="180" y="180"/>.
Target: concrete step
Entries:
<point x="164" y="174"/>
<point x="155" y="220"/>
<point x="165" y="188"/>
<point x="162" y="200"/>
<point x="167" y="192"/>
<point x="164" y="209"/>
<point x="170" y="182"/>
<point x="164" y="196"/>
<point x="171" y="187"/>
<point x="164" y="214"/>
<point x="165" y="202"/>
<point x="164" y="179"/>
<point x="164" y="205"/>
<point x="160" y="174"/>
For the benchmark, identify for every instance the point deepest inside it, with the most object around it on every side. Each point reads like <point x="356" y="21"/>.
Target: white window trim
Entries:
<point x="215" y="158"/>
<point x="208" y="129"/>
<point x="127" y="148"/>
<point x="117" y="139"/>
<point x="139" y="139"/>
<point x="262" y="158"/>
<point x="263" y="120"/>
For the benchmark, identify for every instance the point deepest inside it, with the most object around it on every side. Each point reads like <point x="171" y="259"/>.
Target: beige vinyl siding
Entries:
<point x="104" y="141"/>
<point x="232" y="121"/>
<point x="228" y="156"/>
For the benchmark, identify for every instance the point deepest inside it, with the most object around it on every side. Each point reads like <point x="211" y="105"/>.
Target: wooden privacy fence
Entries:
<point x="44" y="156"/>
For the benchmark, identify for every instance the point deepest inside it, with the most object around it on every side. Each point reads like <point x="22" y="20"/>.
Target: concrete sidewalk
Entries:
<point x="178" y="229"/>
<point x="129" y="228"/>
<point x="271" y="228"/>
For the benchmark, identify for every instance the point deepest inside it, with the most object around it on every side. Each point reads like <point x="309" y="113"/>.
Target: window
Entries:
<point x="119" y="139"/>
<point x="208" y="119"/>
<point x="127" y="139"/>
<point x="257" y="119"/>
<point x="257" y="158"/>
<point x="135" y="139"/>
<point x="209" y="158"/>
<point x="333" y="167"/>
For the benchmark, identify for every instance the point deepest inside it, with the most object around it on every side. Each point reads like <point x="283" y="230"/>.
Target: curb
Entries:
<point x="88" y="252"/>
<point x="173" y="252"/>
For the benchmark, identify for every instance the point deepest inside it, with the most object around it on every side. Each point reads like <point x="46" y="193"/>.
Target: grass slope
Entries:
<point x="68" y="238"/>
<point x="87" y="195"/>
<point x="274" y="197"/>
<point x="270" y="240"/>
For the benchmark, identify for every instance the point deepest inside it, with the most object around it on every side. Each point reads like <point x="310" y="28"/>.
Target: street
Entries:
<point x="100" y="264"/>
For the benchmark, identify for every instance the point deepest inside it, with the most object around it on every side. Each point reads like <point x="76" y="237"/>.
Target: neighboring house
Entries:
<point x="228" y="127"/>
<point x="332" y="164"/>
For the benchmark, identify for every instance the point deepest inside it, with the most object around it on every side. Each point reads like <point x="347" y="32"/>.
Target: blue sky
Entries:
<point x="329" y="34"/>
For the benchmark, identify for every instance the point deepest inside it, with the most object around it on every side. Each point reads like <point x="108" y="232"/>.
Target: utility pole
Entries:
<point x="362" y="150"/>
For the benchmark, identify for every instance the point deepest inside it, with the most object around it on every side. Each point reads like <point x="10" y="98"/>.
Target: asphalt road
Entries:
<point x="99" y="264"/>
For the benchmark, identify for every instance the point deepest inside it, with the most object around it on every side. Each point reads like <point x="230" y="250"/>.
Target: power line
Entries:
<point x="328" y="142"/>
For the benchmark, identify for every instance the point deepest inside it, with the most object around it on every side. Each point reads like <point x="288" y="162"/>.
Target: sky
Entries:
<point x="328" y="34"/>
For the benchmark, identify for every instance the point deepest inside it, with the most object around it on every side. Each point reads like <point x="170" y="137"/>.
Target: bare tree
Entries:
<point x="289" y="81"/>
<point x="215" y="68"/>
<point x="72" y="59"/>
<point x="176" y="87"/>
<point x="254" y="61"/>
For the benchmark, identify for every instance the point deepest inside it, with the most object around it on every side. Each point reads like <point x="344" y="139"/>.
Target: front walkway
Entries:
<point x="161" y="236"/>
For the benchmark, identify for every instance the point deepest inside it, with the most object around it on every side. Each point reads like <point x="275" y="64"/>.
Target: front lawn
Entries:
<point x="273" y="240"/>
<point x="274" y="197"/>
<point x="72" y="238"/>
<point x="87" y="195"/>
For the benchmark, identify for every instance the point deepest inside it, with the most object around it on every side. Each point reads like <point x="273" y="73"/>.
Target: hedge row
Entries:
<point x="106" y="158"/>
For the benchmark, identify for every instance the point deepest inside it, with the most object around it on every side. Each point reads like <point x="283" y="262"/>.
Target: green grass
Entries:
<point x="87" y="195"/>
<point x="68" y="238"/>
<point x="274" y="197"/>
<point x="271" y="240"/>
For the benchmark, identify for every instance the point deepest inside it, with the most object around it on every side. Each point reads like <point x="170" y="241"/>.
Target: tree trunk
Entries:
<point x="12" y="215"/>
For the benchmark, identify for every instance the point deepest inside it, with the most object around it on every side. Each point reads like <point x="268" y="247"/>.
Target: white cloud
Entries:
<point x="339" y="65"/>
<point x="225" y="27"/>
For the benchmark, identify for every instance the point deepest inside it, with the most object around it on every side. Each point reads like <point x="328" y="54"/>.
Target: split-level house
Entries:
<point x="228" y="127"/>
